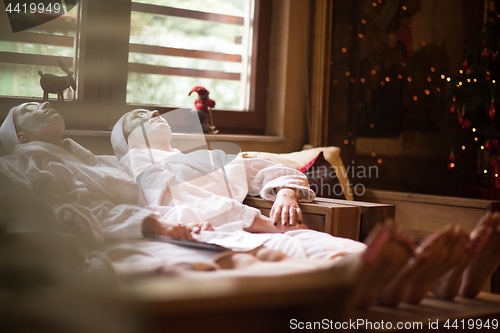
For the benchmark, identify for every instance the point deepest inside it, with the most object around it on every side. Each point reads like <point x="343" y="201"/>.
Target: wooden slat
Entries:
<point x="33" y="59"/>
<point x="185" y="13"/>
<point x="423" y="198"/>
<point x="160" y="70"/>
<point x="31" y="38"/>
<point x="429" y="217"/>
<point x="421" y="214"/>
<point x="350" y="202"/>
<point x="170" y="51"/>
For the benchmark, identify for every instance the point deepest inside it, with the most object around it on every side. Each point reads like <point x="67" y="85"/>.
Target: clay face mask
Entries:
<point x="151" y="123"/>
<point x="34" y="116"/>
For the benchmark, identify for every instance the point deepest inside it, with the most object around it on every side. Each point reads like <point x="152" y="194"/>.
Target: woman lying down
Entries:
<point x="142" y="139"/>
<point x="211" y="186"/>
<point x="89" y="194"/>
<point x="207" y="185"/>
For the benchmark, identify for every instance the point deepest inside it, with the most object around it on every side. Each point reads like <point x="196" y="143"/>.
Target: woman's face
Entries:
<point x="34" y="116"/>
<point x="38" y="122"/>
<point x="151" y="121"/>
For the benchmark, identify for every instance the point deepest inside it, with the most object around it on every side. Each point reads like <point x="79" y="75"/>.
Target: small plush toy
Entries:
<point x="203" y="105"/>
<point x="57" y="84"/>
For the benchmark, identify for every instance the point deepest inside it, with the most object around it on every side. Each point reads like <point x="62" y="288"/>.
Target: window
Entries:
<point x="147" y="54"/>
<point x="220" y="44"/>
<point x="24" y="53"/>
<point x="174" y="48"/>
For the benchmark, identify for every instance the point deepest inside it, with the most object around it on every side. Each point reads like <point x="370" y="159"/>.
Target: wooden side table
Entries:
<point x="371" y="213"/>
<point x="341" y="218"/>
<point x="337" y="220"/>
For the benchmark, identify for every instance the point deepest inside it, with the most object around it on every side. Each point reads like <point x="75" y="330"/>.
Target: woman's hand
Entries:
<point x="199" y="226"/>
<point x="265" y="224"/>
<point x="286" y="210"/>
<point x="154" y="227"/>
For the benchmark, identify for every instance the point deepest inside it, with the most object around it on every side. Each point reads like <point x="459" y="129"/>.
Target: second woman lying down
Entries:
<point x="211" y="186"/>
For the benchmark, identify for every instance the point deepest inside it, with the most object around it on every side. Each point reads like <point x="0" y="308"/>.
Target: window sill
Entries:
<point x="208" y="137"/>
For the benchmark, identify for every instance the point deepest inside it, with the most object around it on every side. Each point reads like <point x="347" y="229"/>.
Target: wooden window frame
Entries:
<point x="253" y="120"/>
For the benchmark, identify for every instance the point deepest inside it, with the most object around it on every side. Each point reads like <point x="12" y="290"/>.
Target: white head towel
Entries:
<point x="8" y="135"/>
<point x="120" y="146"/>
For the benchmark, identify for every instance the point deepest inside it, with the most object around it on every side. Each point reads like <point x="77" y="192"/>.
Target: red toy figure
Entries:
<point x="203" y="105"/>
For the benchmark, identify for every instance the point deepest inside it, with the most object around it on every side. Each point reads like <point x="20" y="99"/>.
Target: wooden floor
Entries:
<point x="434" y="315"/>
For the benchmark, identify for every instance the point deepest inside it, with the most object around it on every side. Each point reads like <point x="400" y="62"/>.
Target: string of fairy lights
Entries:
<point x="385" y="81"/>
<point x="433" y="87"/>
<point x="465" y="123"/>
<point x="475" y="74"/>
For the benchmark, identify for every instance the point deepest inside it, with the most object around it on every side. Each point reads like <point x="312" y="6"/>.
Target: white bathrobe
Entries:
<point x="210" y="185"/>
<point x="77" y="185"/>
<point x="192" y="188"/>
<point x="97" y="199"/>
